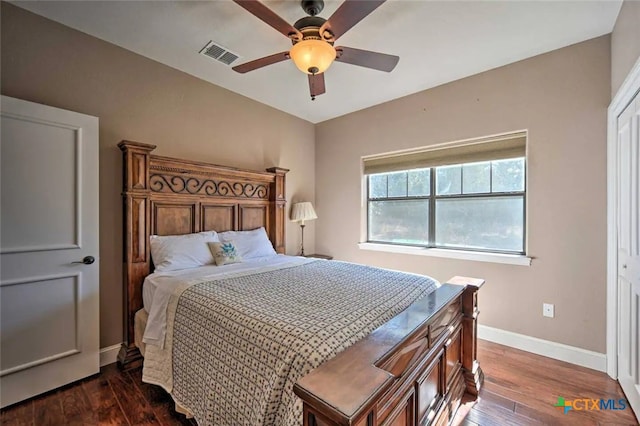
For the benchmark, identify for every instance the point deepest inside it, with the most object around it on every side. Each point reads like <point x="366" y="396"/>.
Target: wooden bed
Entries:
<point x="413" y="370"/>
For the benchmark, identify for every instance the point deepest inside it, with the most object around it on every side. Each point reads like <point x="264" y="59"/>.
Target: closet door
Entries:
<point x="49" y="313"/>
<point x="628" y="199"/>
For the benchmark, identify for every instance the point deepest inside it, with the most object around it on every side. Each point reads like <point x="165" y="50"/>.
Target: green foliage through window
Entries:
<point x="475" y="206"/>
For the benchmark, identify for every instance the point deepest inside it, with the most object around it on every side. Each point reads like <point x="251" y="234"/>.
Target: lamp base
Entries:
<point x="302" y="242"/>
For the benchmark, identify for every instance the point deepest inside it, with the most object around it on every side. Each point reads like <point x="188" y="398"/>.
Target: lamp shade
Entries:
<point x="303" y="211"/>
<point x="313" y="56"/>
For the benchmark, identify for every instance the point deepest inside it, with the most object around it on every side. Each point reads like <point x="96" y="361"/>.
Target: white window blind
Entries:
<point x="496" y="148"/>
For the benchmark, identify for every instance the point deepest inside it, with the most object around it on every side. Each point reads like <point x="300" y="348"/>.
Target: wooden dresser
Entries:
<point x="392" y="382"/>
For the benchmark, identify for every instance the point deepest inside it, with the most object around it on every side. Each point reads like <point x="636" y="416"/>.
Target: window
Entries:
<point x="475" y="205"/>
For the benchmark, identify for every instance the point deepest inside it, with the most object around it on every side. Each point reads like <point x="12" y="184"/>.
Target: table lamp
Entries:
<point x="301" y="212"/>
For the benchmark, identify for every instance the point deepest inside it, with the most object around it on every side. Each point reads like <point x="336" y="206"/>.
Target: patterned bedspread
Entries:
<point x="239" y="344"/>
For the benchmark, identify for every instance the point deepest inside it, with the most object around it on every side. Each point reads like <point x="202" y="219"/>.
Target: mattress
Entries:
<point x="236" y="343"/>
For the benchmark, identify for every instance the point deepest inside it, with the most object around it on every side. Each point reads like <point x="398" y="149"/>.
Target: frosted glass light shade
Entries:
<point x="303" y="211"/>
<point x="310" y="54"/>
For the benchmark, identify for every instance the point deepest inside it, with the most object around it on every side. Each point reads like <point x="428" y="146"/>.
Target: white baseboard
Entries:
<point x="109" y="355"/>
<point x="559" y="351"/>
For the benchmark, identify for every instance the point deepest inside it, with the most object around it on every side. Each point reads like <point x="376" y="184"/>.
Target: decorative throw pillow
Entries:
<point x="224" y="253"/>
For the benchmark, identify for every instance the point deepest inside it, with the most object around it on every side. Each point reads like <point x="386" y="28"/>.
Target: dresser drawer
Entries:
<point x="429" y="390"/>
<point x="453" y="355"/>
<point x="444" y="320"/>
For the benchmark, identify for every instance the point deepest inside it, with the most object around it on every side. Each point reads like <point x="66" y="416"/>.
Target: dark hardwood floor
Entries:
<point x="112" y="397"/>
<point x="520" y="389"/>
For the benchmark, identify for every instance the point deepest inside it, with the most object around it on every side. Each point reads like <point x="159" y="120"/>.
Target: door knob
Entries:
<point x="87" y="260"/>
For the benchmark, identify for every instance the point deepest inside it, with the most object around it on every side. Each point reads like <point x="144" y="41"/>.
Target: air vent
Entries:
<point x="219" y="53"/>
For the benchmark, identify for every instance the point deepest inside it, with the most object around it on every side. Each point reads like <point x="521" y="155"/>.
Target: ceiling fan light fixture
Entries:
<point x="313" y="56"/>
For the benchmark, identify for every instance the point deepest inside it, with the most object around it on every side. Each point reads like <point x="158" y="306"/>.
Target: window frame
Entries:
<point x="433" y="198"/>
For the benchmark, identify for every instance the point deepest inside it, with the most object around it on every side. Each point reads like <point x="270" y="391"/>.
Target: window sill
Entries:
<point x="509" y="259"/>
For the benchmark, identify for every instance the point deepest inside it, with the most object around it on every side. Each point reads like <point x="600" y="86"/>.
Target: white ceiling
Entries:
<point x="437" y="41"/>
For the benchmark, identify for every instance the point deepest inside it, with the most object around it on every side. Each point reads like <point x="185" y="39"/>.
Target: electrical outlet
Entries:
<point x="548" y="310"/>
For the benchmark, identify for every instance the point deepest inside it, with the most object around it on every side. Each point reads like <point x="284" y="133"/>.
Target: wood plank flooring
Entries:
<point x="112" y="397"/>
<point x="520" y="389"/>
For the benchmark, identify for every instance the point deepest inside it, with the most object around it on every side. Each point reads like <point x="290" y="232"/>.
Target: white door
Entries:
<point x="49" y="306"/>
<point x="628" y="199"/>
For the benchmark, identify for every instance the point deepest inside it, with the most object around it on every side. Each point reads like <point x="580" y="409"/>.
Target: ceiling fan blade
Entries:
<point x="262" y="62"/>
<point x="347" y="15"/>
<point x="367" y="58"/>
<point x="316" y="85"/>
<point x="262" y="12"/>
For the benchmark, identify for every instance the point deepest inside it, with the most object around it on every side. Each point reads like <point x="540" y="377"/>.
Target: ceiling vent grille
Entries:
<point x="219" y="53"/>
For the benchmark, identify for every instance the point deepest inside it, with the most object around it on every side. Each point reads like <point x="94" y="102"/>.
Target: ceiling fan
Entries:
<point x="313" y="38"/>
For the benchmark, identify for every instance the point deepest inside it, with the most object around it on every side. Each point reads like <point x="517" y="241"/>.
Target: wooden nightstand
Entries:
<point x="319" y="256"/>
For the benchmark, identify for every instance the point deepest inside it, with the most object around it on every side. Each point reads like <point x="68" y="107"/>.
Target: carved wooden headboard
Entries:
<point x="169" y="196"/>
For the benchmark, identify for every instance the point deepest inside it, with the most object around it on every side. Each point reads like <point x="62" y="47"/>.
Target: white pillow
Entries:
<point x="250" y="244"/>
<point x="173" y="252"/>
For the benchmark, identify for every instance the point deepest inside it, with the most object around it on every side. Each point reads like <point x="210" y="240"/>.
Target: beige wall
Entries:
<point x="561" y="99"/>
<point x="625" y="43"/>
<point x="141" y="100"/>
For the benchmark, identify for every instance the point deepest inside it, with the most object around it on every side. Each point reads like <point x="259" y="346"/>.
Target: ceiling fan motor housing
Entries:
<point x="309" y="26"/>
